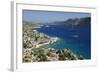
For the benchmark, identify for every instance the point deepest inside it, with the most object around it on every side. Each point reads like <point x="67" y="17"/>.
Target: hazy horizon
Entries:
<point x="50" y="16"/>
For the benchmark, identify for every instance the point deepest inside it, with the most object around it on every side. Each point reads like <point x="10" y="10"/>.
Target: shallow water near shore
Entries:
<point x="76" y="39"/>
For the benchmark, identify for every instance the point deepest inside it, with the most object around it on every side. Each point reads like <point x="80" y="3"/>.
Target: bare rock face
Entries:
<point x="32" y="53"/>
<point x="80" y="57"/>
<point x="27" y="56"/>
<point x="45" y="54"/>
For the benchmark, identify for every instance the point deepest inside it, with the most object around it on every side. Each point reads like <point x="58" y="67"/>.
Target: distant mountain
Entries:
<point x="86" y="21"/>
<point x="31" y="24"/>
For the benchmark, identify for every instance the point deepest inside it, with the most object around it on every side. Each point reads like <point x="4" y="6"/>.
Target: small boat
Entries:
<point x="75" y="36"/>
<point x="47" y="25"/>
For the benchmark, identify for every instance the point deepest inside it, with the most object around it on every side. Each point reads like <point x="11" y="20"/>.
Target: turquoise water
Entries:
<point x="77" y="40"/>
<point x="76" y="48"/>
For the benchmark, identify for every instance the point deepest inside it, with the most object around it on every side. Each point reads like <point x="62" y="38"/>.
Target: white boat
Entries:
<point x="75" y="36"/>
<point x="47" y="26"/>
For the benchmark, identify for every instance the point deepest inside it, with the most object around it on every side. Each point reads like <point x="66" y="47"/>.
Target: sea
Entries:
<point x="74" y="37"/>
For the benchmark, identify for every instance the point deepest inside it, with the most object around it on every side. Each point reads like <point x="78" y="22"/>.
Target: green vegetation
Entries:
<point x="33" y="52"/>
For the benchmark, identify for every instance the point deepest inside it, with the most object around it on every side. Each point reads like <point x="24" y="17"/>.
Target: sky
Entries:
<point x="50" y="16"/>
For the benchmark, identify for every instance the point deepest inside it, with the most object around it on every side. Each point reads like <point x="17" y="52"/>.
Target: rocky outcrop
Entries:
<point x="86" y="21"/>
<point x="33" y="52"/>
<point x="49" y="54"/>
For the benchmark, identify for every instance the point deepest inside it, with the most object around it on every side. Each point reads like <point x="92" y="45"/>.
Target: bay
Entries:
<point x="76" y="38"/>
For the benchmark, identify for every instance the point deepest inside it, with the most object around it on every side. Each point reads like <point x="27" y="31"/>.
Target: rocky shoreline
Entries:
<point x="33" y="40"/>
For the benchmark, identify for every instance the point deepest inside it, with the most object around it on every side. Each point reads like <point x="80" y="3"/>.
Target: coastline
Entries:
<point x="51" y="41"/>
<point x="33" y="40"/>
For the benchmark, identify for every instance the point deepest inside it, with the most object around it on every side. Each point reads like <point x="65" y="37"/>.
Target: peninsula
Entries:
<point x="33" y="52"/>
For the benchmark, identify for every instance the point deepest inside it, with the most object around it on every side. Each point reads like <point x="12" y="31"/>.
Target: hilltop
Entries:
<point x="86" y="21"/>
